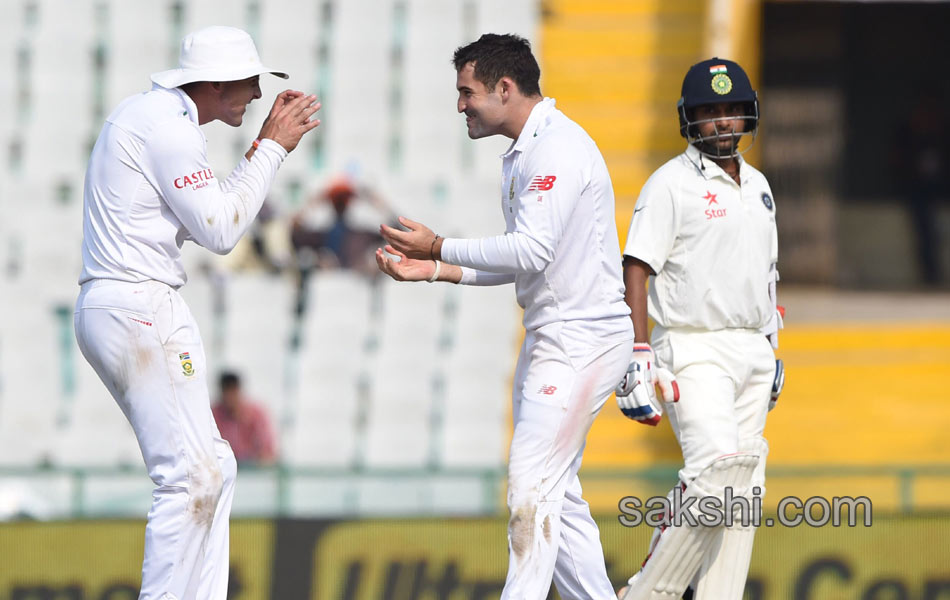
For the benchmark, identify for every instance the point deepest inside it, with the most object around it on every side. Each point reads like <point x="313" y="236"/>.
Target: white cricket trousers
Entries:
<point x="144" y="344"/>
<point x="725" y="381"/>
<point x="550" y="531"/>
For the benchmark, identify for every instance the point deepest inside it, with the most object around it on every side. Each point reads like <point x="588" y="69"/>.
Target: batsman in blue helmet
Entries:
<point x="718" y="84"/>
<point x="703" y="234"/>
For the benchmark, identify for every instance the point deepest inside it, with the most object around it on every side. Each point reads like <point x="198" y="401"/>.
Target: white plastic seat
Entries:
<point x="358" y="123"/>
<point x="332" y="362"/>
<point x="31" y="390"/>
<point x="433" y="131"/>
<point x="324" y="432"/>
<point x="97" y="434"/>
<point x="59" y="125"/>
<point x="140" y="44"/>
<point x="257" y="326"/>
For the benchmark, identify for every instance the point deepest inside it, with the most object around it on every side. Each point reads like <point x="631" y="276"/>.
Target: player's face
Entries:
<point x="483" y="108"/>
<point x="718" y="122"/>
<point x="235" y="96"/>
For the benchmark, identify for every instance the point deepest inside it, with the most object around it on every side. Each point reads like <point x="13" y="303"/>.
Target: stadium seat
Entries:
<point x="359" y="124"/>
<point x="230" y="13"/>
<point x="31" y="377"/>
<point x="412" y="322"/>
<point x="291" y="44"/>
<point x="146" y="27"/>
<point x="332" y="360"/>
<point x="324" y="431"/>
<point x="398" y="433"/>
<point x="10" y="41"/>
<point x="257" y="331"/>
<point x="97" y="433"/>
<point x="61" y="90"/>
<point x="433" y="131"/>
<point x="476" y="404"/>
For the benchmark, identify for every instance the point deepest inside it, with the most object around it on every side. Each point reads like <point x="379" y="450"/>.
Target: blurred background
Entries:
<point x="372" y="419"/>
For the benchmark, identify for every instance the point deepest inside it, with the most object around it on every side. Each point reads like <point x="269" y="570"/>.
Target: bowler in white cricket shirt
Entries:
<point x="560" y="249"/>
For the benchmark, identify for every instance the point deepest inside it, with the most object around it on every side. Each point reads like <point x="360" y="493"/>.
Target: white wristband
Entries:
<point x="435" y="274"/>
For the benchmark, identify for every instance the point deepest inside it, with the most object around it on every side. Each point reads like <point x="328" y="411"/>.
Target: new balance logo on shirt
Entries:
<point x="542" y="183"/>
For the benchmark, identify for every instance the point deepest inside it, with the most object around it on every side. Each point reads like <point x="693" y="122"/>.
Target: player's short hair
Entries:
<point x="229" y="380"/>
<point x="496" y="56"/>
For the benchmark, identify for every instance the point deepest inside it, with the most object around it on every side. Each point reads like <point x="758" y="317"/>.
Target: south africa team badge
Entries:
<point x="511" y="190"/>
<point x="186" y="367"/>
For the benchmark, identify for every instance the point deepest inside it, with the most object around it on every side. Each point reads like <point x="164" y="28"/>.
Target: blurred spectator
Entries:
<point x="263" y="248"/>
<point x="923" y="166"/>
<point x="341" y="244"/>
<point x="244" y="424"/>
<point x="259" y="239"/>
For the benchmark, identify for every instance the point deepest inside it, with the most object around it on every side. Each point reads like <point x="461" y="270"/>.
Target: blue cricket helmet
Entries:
<point x="711" y="82"/>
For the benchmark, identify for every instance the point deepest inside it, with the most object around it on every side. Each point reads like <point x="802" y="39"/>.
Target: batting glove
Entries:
<point x="778" y="383"/>
<point x="636" y="392"/>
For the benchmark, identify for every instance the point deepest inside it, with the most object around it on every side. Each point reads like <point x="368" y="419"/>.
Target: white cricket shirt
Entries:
<point x="149" y="188"/>
<point x="560" y="245"/>
<point x="712" y="243"/>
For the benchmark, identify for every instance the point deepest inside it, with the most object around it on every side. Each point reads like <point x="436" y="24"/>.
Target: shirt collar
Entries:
<point x="533" y="126"/>
<point x="711" y="168"/>
<point x="188" y="106"/>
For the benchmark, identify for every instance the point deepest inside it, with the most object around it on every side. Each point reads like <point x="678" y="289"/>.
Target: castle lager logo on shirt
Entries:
<point x="196" y="180"/>
<point x="186" y="367"/>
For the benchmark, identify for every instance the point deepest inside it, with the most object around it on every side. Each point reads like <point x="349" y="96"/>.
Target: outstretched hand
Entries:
<point x="405" y="269"/>
<point x="289" y="118"/>
<point x="418" y="243"/>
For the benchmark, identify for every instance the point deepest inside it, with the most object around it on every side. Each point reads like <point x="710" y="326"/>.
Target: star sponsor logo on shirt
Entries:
<point x="542" y="183"/>
<point x="195" y="181"/>
<point x="713" y="213"/>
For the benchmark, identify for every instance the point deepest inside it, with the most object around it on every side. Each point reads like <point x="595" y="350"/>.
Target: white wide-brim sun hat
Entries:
<point x="215" y="54"/>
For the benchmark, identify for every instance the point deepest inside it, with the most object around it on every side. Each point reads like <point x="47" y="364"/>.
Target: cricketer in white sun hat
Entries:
<point x="215" y="53"/>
